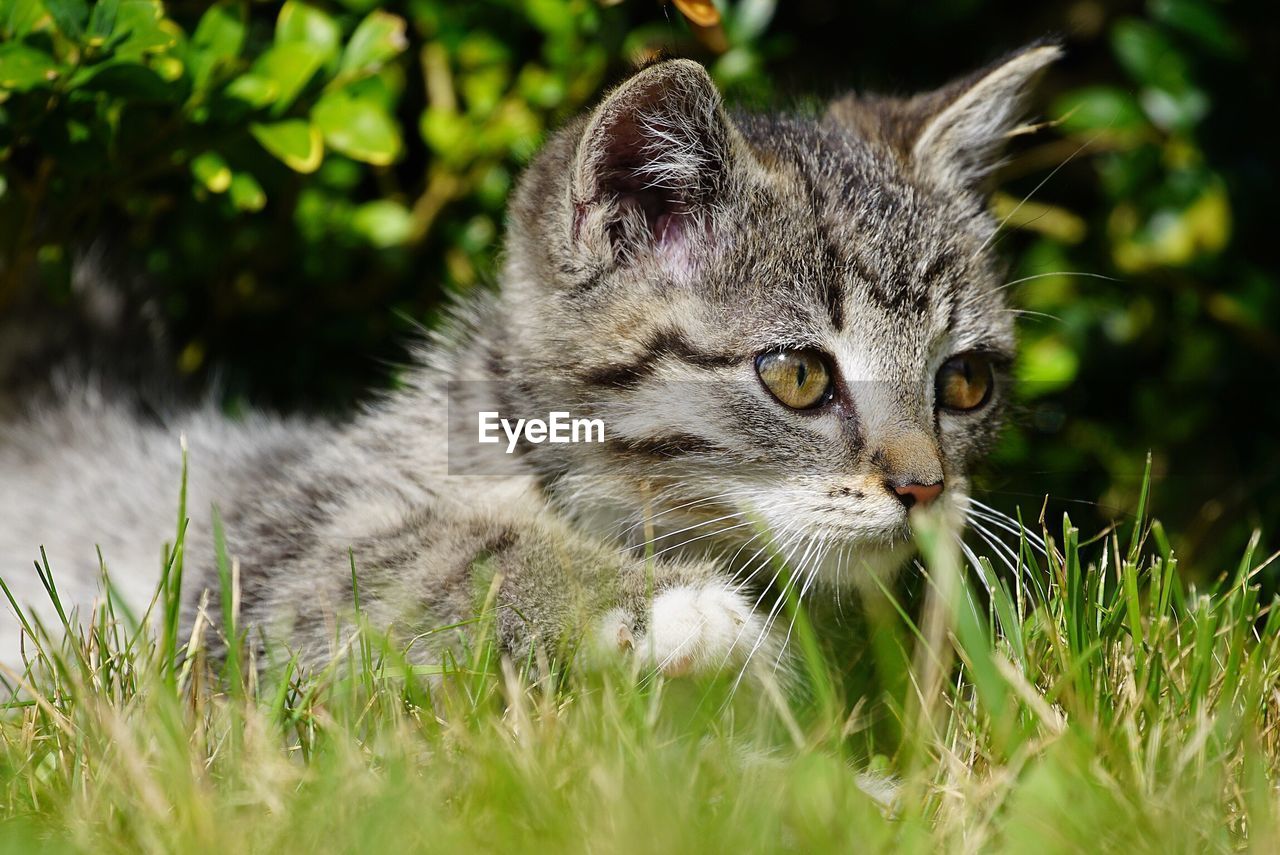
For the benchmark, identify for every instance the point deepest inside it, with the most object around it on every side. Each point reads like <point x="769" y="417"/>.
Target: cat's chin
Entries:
<point x="862" y="564"/>
<point x="865" y="566"/>
<point x="865" y="561"/>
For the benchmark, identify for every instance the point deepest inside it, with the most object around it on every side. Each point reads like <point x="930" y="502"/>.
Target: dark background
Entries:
<point x="127" y="126"/>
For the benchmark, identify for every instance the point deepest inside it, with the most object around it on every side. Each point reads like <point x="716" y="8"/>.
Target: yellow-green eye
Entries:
<point x="797" y="378"/>
<point x="965" y="382"/>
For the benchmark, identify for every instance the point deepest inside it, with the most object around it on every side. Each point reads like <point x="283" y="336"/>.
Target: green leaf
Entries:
<point x="359" y="128"/>
<point x="1173" y="235"/>
<point x="1045" y="366"/>
<point x="382" y="88"/>
<point x="282" y="71"/>
<point x="297" y="142"/>
<point x="19" y="17"/>
<point x="383" y="223"/>
<point x="483" y="88"/>
<point x="252" y="90"/>
<point x="447" y="133"/>
<point x="69" y="16"/>
<point x="299" y="22"/>
<point x="103" y="20"/>
<point x="540" y="87"/>
<point x="221" y="29"/>
<point x="1178" y="111"/>
<point x="749" y="19"/>
<point x="149" y="31"/>
<point x="217" y="40"/>
<point x="211" y="170"/>
<point x="550" y="16"/>
<point x="1200" y="21"/>
<point x="378" y="38"/>
<point x="1100" y="108"/>
<point x="246" y="193"/>
<point x="480" y="50"/>
<point x="23" y="68"/>
<point x="735" y="65"/>
<point x="1149" y="56"/>
<point x="130" y="80"/>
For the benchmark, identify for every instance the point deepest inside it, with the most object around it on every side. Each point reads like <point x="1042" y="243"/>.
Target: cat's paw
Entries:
<point x="691" y="630"/>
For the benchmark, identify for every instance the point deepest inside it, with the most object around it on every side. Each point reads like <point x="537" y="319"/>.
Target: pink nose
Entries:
<point x="921" y="494"/>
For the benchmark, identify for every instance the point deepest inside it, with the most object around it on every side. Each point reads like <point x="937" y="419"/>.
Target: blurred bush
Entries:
<point x="296" y="178"/>
<point x="1159" y="325"/>
<point x="304" y="182"/>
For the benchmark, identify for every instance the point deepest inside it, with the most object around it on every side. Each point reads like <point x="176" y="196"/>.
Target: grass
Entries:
<point x="1092" y="701"/>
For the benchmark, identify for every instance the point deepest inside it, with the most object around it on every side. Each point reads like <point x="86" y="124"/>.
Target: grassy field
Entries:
<point x="1093" y="701"/>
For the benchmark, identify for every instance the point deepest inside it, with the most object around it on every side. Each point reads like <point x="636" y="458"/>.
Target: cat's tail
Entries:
<point x="106" y="333"/>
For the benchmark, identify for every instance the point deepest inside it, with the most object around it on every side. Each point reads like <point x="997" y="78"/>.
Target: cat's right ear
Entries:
<point x="952" y="136"/>
<point x="651" y="163"/>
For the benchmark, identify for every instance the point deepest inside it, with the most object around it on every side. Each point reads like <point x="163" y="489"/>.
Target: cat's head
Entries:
<point x="788" y="320"/>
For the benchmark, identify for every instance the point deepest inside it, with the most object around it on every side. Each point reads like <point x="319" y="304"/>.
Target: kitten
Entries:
<point x="790" y="327"/>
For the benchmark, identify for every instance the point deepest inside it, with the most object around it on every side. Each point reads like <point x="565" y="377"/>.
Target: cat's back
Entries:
<point x="82" y="473"/>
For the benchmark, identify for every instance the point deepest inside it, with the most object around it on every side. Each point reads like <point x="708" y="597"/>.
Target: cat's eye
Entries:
<point x="965" y="382"/>
<point x="799" y="379"/>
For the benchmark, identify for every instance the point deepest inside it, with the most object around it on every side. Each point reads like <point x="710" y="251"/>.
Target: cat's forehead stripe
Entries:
<point x="845" y="201"/>
<point x="662" y="343"/>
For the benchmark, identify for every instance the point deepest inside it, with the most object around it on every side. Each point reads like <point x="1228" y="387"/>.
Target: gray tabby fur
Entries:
<point x="655" y="247"/>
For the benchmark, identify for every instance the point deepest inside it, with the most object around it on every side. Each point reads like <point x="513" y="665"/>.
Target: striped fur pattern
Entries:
<point x="656" y="247"/>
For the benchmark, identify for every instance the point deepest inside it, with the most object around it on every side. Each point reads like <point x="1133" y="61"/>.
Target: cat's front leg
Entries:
<point x="559" y="586"/>
<point x="550" y="589"/>
<point x="693" y="626"/>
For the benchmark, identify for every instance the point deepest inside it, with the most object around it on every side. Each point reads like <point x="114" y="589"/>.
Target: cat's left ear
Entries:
<point x="953" y="135"/>
<point x="653" y="160"/>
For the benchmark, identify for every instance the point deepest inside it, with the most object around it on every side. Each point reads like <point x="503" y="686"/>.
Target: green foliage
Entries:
<point x="1157" y="316"/>
<point x="256" y="158"/>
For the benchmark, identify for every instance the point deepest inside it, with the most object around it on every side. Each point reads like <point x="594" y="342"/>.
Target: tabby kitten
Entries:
<point x="790" y="327"/>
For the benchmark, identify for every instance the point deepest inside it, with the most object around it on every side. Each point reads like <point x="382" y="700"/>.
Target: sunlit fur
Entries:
<point x="655" y="248"/>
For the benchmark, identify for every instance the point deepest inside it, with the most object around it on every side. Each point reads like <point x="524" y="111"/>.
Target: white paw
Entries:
<point x="696" y="630"/>
<point x="614" y="632"/>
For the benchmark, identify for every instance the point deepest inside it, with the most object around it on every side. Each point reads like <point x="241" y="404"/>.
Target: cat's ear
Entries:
<point x="954" y="135"/>
<point x="653" y="159"/>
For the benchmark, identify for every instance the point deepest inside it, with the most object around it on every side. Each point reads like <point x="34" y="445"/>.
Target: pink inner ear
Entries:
<point x="670" y="229"/>
<point x="674" y="245"/>
<point x="654" y="165"/>
<point x="665" y="228"/>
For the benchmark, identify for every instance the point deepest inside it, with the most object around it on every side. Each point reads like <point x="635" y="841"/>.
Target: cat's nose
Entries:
<point x="912" y="494"/>
<point x="911" y="467"/>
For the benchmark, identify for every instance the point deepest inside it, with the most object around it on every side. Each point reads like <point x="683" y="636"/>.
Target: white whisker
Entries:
<point x="1033" y="192"/>
<point x="1008" y="523"/>
<point x="1057" y="273"/>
